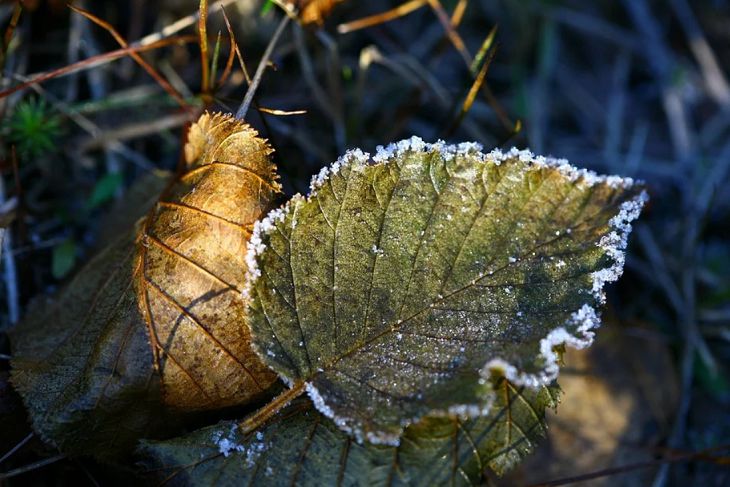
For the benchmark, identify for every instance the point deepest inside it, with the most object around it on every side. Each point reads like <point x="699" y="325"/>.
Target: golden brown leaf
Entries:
<point x="84" y="364"/>
<point x="193" y="248"/>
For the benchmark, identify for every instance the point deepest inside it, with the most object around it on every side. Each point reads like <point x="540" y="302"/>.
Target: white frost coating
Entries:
<point x="571" y="172"/>
<point x="318" y="401"/>
<point x="471" y="411"/>
<point x="350" y="157"/>
<point x="344" y="423"/>
<point x="416" y="144"/>
<point x="582" y="322"/>
<point x="227" y="445"/>
<point x="256" y="246"/>
<point x="614" y="244"/>
<point x="380" y="438"/>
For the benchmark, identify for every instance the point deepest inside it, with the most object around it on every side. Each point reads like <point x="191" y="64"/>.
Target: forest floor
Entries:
<point x="633" y="87"/>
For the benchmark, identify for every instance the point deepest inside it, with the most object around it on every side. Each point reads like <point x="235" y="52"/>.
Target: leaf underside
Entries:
<point x="302" y="447"/>
<point x="395" y="283"/>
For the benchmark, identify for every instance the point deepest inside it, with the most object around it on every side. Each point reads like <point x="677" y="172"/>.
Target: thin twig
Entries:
<point x="397" y="12"/>
<point x="139" y="59"/>
<point x="95" y="61"/>
<point x="203" y="34"/>
<point x="703" y="455"/>
<point x="243" y="109"/>
<point x="31" y="467"/>
<point x="717" y="84"/>
<point x="16" y="447"/>
<point x="9" y="271"/>
<point x="177" y="26"/>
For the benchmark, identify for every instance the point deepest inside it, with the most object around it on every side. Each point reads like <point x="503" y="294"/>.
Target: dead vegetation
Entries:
<point x="94" y="99"/>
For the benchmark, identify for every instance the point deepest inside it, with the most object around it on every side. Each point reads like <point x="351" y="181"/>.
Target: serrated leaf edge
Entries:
<point x="586" y="318"/>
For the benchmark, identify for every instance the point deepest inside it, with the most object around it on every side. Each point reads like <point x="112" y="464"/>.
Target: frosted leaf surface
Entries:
<point x="484" y="264"/>
<point x="302" y="447"/>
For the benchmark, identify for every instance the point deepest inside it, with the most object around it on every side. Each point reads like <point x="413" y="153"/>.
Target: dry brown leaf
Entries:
<point x="84" y="364"/>
<point x="193" y="246"/>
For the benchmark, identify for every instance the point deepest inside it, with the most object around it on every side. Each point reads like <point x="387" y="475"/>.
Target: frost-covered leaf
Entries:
<point x="302" y="447"/>
<point x="156" y="319"/>
<point x="400" y="284"/>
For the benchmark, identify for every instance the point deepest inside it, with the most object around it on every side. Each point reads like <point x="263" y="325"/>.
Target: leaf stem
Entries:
<point x="258" y="418"/>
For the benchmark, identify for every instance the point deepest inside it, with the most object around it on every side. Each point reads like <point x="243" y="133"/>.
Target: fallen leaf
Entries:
<point x="398" y="287"/>
<point x="193" y="247"/>
<point x="302" y="447"/>
<point x="83" y="364"/>
<point x="153" y="325"/>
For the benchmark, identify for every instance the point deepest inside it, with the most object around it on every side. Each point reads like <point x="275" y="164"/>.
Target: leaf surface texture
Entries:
<point x="402" y="283"/>
<point x="153" y="325"/>
<point x="302" y="447"/>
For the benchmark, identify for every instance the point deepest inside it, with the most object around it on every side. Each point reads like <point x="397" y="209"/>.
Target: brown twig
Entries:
<point x="232" y="54"/>
<point x="139" y="59"/>
<point x="203" y="35"/>
<point x="387" y="16"/>
<point x="96" y="61"/>
<point x="9" y="33"/>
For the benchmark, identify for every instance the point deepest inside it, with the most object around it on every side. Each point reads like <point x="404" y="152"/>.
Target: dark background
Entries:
<point x="634" y="87"/>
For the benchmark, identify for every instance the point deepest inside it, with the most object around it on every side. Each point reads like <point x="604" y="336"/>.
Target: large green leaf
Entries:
<point x="401" y="283"/>
<point x="302" y="447"/>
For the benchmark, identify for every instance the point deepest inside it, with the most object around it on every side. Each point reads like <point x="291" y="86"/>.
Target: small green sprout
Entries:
<point x="33" y="128"/>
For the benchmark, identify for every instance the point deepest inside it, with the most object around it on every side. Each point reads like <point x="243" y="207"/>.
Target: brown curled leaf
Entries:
<point x="154" y="319"/>
<point x="193" y="251"/>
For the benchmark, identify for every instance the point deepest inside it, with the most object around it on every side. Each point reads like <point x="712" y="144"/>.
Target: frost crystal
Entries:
<point x="615" y="242"/>
<point x="344" y="423"/>
<point x="583" y="321"/>
<point x="571" y="172"/>
<point x="256" y="246"/>
<point x="416" y="144"/>
<point x="350" y="157"/>
<point x="228" y="445"/>
<point x="318" y="401"/>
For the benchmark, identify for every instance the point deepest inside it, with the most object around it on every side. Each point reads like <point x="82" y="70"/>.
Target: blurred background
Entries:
<point x="633" y="87"/>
